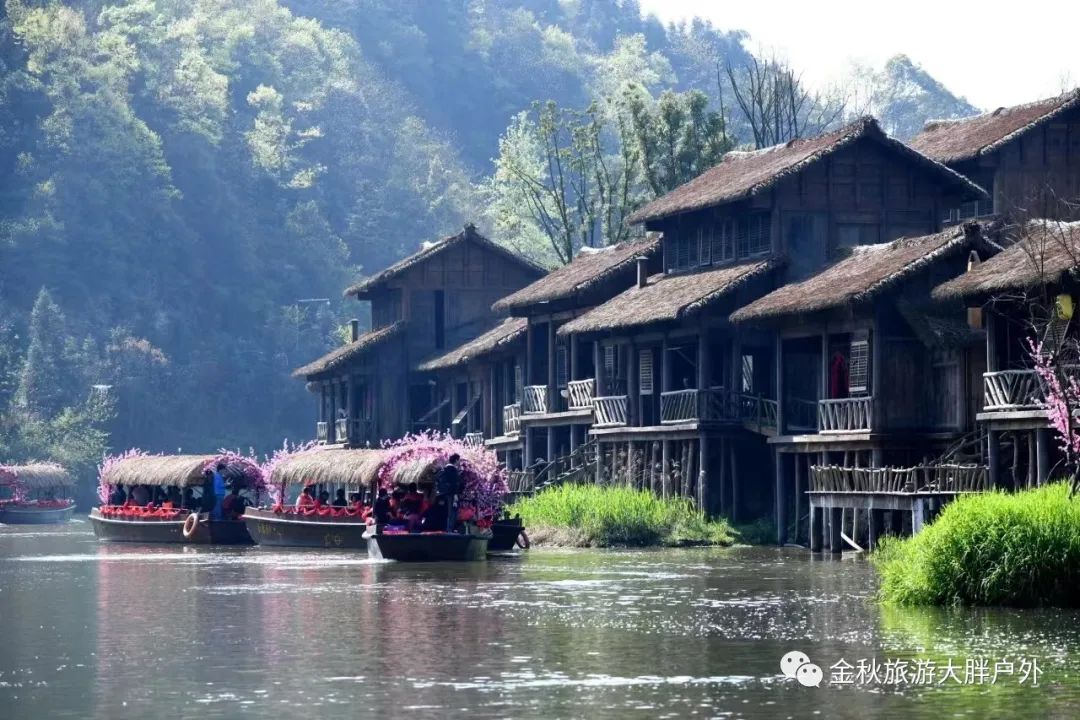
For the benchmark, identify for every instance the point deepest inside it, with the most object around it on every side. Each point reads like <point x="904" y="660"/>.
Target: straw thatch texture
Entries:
<point x="469" y="234"/>
<point x="586" y="271"/>
<point x="868" y="270"/>
<point x="418" y="470"/>
<point x="1042" y="254"/>
<point x="38" y="476"/>
<point x="668" y="297"/>
<point x="744" y="174"/>
<point x="503" y="335"/>
<point x="161" y="470"/>
<point x="337" y="356"/>
<point x="936" y="329"/>
<point x="951" y="141"/>
<point x="333" y="467"/>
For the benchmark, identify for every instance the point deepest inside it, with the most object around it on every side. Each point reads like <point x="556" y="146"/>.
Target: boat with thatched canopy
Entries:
<point x="38" y="494"/>
<point x="165" y="522"/>
<point x="326" y="527"/>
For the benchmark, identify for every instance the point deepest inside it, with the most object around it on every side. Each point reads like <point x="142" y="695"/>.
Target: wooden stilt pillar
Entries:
<point x="817" y="528"/>
<point x="1042" y="447"/>
<point x="781" y="499"/>
<point x="836" y="519"/>
<point x="734" y="481"/>
<point x="993" y="457"/>
<point x="918" y="516"/>
<point x="665" y="474"/>
<point x="551" y="454"/>
<point x="877" y="527"/>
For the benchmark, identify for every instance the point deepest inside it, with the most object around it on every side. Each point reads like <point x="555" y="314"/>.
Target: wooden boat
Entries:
<point x="280" y="529"/>
<point x="428" y="546"/>
<point x="203" y="531"/>
<point x="34" y="514"/>
<point x="163" y="525"/>
<point x="324" y="468"/>
<point x="32" y="491"/>
<point x="505" y="534"/>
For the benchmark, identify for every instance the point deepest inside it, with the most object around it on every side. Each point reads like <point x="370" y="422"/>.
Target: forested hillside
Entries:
<point x="189" y="184"/>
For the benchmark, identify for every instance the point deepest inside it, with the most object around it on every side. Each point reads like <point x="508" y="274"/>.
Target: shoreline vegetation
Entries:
<point x="583" y="516"/>
<point x="992" y="549"/>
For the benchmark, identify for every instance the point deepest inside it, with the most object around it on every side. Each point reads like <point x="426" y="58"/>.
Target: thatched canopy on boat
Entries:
<point x="332" y="467"/>
<point x="36" y="476"/>
<point x="418" y="470"/>
<point x="161" y="470"/>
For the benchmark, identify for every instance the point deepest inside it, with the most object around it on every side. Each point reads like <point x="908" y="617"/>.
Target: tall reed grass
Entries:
<point x="1020" y="549"/>
<point x="605" y="516"/>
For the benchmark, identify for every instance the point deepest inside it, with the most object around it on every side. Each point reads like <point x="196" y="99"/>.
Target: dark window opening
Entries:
<point x="440" y="318"/>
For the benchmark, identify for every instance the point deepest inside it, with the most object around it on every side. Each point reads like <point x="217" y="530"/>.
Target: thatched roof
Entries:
<point x="331" y="466"/>
<point x="37" y="476"/>
<point x="586" y="271"/>
<point x="1044" y="251"/>
<point x="343" y="354"/>
<point x="162" y="470"/>
<point x="868" y="270"/>
<point x="504" y="334"/>
<point x="938" y="330"/>
<point x="952" y="141"/>
<point x="430" y="250"/>
<point x="668" y="297"/>
<point x="742" y="175"/>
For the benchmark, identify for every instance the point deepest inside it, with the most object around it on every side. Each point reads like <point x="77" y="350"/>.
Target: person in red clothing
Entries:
<point x="306" y="499"/>
<point x="232" y="507"/>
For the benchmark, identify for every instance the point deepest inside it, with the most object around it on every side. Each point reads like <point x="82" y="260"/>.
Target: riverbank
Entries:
<point x="596" y="516"/>
<point x="1014" y="549"/>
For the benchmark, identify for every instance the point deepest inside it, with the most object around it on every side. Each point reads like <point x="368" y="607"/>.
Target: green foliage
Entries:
<point x="603" y="516"/>
<point x="48" y="378"/>
<point x="1020" y="549"/>
<point x="760" y="532"/>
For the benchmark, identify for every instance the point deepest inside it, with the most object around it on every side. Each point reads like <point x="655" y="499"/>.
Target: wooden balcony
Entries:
<point x="758" y="411"/>
<point x="580" y="393"/>
<point x="845" y="414"/>
<point x="922" y="478"/>
<point x="322" y="432"/>
<point x="534" y="401"/>
<point x="512" y="419"/>
<point x="1007" y="390"/>
<point x="609" y="411"/>
<point x="711" y="404"/>
<point x="474" y="439"/>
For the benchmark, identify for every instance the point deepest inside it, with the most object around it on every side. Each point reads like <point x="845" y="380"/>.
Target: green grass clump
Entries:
<point x="1020" y="549"/>
<point x="759" y="532"/>
<point x="601" y="516"/>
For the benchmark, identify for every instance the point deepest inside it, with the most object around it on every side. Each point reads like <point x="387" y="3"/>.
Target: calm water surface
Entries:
<point x="118" y="631"/>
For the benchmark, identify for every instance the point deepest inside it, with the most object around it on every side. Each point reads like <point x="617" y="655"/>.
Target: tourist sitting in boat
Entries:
<point x="306" y="499"/>
<point x="118" y="496"/>
<point x="232" y="507"/>
<point x="324" y="500"/>
<point x="356" y="504"/>
<point x="188" y="501"/>
<point x="434" y="518"/>
<point x="140" y="496"/>
<point x="339" y="499"/>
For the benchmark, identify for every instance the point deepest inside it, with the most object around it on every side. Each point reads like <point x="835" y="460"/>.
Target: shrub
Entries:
<point x="995" y="548"/>
<point x="603" y="516"/>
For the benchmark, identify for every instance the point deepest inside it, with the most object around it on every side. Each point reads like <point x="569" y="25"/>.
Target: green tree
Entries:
<point x="48" y="376"/>
<point x="677" y="138"/>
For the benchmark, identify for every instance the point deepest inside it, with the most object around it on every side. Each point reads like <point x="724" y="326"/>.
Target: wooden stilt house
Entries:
<point x="425" y="304"/>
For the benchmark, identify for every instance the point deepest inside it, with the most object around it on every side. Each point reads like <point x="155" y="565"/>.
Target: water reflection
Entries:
<point x="115" y="631"/>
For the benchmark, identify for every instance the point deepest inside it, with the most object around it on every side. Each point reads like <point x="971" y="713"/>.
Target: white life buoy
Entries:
<point x="190" y="524"/>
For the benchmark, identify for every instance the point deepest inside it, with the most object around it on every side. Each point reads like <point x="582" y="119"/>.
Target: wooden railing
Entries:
<point x="801" y="415"/>
<point x="609" y="411"/>
<point x="322" y="432"/>
<point x="512" y="419"/>
<point x="845" y="414"/>
<point x="341" y="430"/>
<point x="534" y="400"/>
<point x="520" y="481"/>
<point x="474" y="439"/>
<point x="1012" y="390"/>
<point x="580" y="393"/>
<point x="922" y="478"/>
<point x="757" y="410"/>
<point x="678" y="406"/>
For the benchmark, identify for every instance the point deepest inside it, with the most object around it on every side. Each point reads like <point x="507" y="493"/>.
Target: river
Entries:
<point x="125" y="631"/>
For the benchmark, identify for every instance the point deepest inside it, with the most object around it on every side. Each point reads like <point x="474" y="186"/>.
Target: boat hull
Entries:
<point x="273" y="530"/>
<point x="504" y="535"/>
<point x="207" y="532"/>
<point x="428" y="547"/>
<point x="28" y="515"/>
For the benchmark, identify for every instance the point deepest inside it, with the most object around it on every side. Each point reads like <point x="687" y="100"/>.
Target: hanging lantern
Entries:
<point x="1063" y="304"/>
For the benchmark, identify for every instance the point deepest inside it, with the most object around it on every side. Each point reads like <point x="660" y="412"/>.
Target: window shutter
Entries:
<point x="609" y="364"/>
<point x="645" y="372"/>
<point x="748" y="373"/>
<point x="859" y="367"/>
<point x="694" y="249"/>
<point x="561" y="369"/>
<point x="683" y="249"/>
<point x="517" y="382"/>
